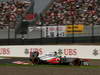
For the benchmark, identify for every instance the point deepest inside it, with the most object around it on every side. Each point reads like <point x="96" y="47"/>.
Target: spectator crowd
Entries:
<point x="69" y="12"/>
<point x="10" y="10"/>
<point x="60" y="12"/>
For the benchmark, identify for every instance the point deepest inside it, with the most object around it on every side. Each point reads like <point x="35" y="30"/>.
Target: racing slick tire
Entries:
<point x="77" y="62"/>
<point x="34" y="57"/>
<point x="36" y="61"/>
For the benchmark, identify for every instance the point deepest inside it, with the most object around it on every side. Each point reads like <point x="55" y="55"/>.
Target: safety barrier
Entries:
<point x="70" y="51"/>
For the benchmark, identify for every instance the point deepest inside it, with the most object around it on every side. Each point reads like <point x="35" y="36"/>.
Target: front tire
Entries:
<point x="34" y="57"/>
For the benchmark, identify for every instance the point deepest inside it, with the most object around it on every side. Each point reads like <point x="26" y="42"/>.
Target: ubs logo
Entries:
<point x="26" y="51"/>
<point x="95" y="52"/>
<point x="60" y="52"/>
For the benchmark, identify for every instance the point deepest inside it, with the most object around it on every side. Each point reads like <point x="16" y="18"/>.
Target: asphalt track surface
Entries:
<point x="45" y="70"/>
<point x="7" y="70"/>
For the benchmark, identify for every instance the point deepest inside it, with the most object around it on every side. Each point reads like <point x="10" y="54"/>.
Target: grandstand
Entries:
<point x="49" y="21"/>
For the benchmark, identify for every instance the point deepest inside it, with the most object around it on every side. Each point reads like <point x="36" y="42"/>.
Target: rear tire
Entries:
<point x="77" y="62"/>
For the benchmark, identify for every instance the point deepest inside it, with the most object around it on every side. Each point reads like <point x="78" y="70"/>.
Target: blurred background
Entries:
<point x="44" y="22"/>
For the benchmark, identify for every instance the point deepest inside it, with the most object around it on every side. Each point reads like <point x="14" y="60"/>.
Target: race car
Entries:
<point x="54" y="59"/>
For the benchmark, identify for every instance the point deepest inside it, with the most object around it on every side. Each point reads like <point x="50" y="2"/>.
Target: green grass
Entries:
<point x="53" y="66"/>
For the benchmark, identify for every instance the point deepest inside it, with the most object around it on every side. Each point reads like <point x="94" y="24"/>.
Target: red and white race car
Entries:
<point x="54" y="59"/>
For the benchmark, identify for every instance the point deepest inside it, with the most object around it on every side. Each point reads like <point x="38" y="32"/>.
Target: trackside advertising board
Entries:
<point x="61" y="31"/>
<point x="74" y="51"/>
